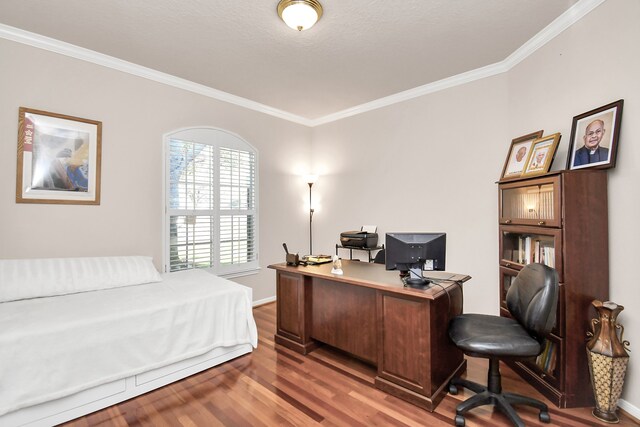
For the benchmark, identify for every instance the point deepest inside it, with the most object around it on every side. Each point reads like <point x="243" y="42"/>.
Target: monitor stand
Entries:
<point x="416" y="279"/>
<point x="417" y="283"/>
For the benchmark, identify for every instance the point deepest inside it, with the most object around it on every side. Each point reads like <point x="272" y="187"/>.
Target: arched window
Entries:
<point x="211" y="209"/>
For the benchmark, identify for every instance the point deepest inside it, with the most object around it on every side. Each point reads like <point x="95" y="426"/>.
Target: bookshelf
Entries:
<point x="558" y="219"/>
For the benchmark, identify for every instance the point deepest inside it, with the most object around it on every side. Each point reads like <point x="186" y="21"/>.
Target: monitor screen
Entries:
<point x="413" y="251"/>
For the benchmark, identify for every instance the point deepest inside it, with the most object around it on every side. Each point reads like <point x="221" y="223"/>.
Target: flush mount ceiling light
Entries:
<point x="300" y="14"/>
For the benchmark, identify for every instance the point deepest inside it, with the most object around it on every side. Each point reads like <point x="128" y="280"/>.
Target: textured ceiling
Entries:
<point x="360" y="51"/>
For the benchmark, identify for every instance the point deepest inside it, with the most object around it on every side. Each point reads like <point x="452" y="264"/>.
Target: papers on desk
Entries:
<point x="318" y="259"/>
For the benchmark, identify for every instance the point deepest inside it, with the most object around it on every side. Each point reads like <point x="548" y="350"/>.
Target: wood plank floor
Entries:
<point x="277" y="387"/>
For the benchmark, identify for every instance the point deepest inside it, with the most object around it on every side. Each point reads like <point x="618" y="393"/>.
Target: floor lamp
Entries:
<point x="311" y="179"/>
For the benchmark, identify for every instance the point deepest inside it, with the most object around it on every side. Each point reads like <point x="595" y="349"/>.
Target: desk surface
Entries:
<point x="375" y="276"/>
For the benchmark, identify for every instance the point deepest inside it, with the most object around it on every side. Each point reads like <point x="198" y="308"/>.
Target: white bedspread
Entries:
<point x="56" y="346"/>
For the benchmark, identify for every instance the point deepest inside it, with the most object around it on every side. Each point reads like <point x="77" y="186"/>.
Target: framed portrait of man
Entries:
<point x="518" y="154"/>
<point x="594" y="138"/>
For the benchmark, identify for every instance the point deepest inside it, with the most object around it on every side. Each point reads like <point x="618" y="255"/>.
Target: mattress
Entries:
<point x="57" y="346"/>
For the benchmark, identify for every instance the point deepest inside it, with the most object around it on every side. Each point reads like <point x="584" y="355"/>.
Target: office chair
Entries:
<point x="532" y="301"/>
<point x="379" y="258"/>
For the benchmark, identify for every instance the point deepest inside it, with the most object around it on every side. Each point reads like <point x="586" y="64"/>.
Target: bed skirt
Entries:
<point x="96" y="398"/>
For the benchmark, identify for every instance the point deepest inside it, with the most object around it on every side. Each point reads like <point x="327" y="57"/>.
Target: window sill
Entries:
<point x="249" y="272"/>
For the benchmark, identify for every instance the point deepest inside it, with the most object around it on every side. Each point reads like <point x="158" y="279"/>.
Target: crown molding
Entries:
<point x="564" y="21"/>
<point x="67" y="49"/>
<point x="557" y="26"/>
<point x="449" y="82"/>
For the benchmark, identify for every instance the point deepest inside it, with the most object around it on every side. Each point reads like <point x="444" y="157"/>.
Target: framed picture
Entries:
<point x="58" y="159"/>
<point x="543" y="150"/>
<point x="594" y="138"/>
<point x="518" y="154"/>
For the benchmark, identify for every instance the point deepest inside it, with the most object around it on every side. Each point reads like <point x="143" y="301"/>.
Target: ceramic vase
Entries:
<point x="608" y="359"/>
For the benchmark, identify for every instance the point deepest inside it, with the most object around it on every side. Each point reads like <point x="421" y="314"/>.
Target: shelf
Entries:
<point x="522" y="245"/>
<point x="536" y="202"/>
<point x="359" y="248"/>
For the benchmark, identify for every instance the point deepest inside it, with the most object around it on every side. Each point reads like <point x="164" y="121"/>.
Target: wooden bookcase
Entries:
<point x="559" y="219"/>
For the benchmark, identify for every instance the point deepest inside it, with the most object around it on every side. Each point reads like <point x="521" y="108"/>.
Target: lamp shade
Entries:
<point x="311" y="179"/>
<point x="300" y="14"/>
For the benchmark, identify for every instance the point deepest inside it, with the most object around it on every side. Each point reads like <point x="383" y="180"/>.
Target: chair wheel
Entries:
<point x="453" y="389"/>
<point x="544" y="417"/>
<point x="459" y="421"/>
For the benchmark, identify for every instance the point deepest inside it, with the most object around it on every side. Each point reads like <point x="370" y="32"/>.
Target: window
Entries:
<point x="211" y="212"/>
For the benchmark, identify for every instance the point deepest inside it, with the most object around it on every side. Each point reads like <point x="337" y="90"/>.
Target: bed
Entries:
<point x="69" y="354"/>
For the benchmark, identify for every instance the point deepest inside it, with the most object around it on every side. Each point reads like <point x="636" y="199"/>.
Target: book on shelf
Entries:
<point x="542" y="356"/>
<point x="549" y="255"/>
<point x="548" y="358"/>
<point x="546" y="361"/>
<point x="520" y="250"/>
<point x="553" y="358"/>
<point x="531" y="249"/>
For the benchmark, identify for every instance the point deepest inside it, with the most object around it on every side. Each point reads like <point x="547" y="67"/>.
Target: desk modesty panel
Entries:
<point x="368" y="313"/>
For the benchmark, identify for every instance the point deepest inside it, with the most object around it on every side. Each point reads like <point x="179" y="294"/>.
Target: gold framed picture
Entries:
<point x="543" y="150"/>
<point x="59" y="158"/>
<point x="518" y="154"/>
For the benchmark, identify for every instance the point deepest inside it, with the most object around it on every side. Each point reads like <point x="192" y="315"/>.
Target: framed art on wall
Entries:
<point x="59" y="159"/>
<point x="518" y="154"/>
<point x="594" y="137"/>
<point x="543" y="150"/>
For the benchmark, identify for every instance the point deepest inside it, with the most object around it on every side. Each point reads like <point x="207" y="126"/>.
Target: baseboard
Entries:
<point x="264" y="301"/>
<point x="627" y="407"/>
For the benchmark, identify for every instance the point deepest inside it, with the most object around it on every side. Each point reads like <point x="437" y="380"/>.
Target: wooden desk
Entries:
<point x="368" y="313"/>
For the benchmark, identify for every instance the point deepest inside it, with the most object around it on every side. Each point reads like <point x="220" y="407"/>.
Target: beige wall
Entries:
<point x="430" y="163"/>
<point x="135" y="113"/>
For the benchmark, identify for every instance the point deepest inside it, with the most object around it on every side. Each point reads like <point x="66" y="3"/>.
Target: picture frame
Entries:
<point x="517" y="156"/>
<point x="59" y="158"/>
<point x="594" y="138"/>
<point x="543" y="151"/>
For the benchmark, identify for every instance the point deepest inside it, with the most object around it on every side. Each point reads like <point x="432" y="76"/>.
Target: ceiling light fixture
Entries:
<point x="300" y="14"/>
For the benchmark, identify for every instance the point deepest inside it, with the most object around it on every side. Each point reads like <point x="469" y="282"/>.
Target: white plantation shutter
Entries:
<point x="211" y="209"/>
<point x="192" y="241"/>
<point x="237" y="206"/>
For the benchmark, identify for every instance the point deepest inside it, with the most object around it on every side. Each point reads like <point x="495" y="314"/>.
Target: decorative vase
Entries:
<point x="608" y="359"/>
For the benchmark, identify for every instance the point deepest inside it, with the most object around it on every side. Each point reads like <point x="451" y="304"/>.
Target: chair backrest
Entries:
<point x="379" y="259"/>
<point x="533" y="297"/>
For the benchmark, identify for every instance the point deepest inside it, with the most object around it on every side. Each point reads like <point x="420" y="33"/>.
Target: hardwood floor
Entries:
<point x="277" y="387"/>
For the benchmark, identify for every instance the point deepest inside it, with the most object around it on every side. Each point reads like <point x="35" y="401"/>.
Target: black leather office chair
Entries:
<point x="532" y="301"/>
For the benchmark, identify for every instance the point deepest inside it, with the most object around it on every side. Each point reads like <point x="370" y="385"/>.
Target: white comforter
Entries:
<point x="56" y="346"/>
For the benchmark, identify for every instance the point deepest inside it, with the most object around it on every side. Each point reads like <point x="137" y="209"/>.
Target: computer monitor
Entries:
<point x="415" y="252"/>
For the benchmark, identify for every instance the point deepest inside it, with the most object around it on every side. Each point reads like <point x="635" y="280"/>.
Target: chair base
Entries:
<point x="493" y="395"/>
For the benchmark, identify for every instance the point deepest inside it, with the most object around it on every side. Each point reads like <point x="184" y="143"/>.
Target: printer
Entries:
<point x="365" y="238"/>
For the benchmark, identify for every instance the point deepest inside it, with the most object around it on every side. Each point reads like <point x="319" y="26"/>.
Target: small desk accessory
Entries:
<point x="337" y="266"/>
<point x="292" y="259"/>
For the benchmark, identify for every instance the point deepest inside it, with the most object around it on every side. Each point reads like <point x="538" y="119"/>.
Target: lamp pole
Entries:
<point x="310" y="221"/>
